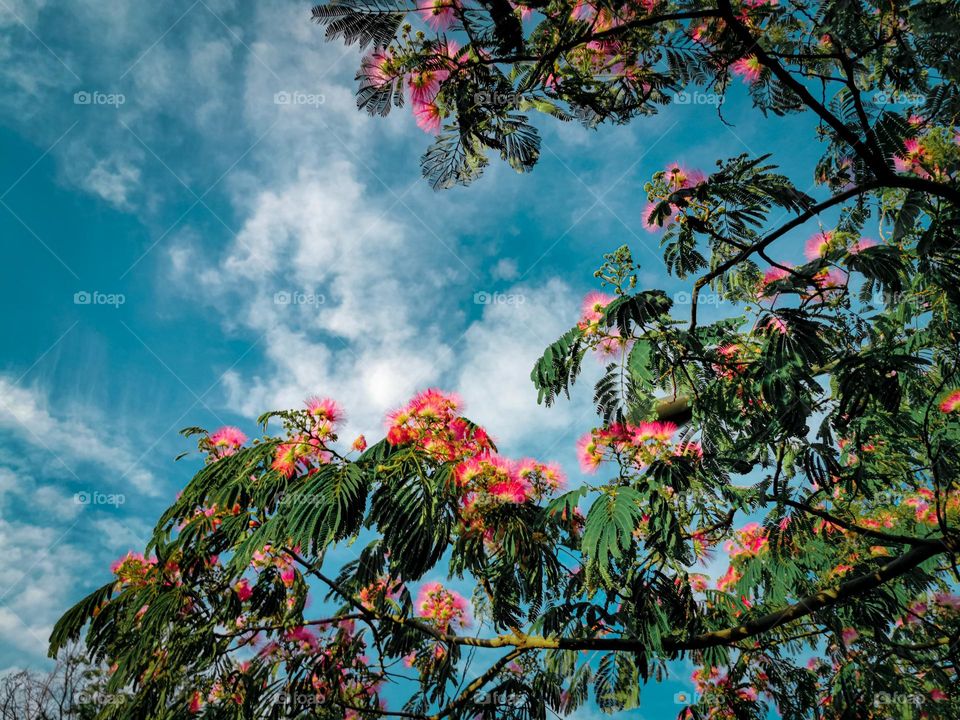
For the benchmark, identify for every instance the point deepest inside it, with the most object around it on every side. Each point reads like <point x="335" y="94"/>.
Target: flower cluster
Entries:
<point x="431" y="422"/>
<point x="930" y="153"/>
<point x="636" y="446"/>
<point x="378" y="591"/>
<point x="747" y="543"/>
<point x="223" y="443"/>
<point x="306" y="449"/>
<point x="606" y="340"/>
<point x="667" y="182"/>
<point x="442" y="608"/>
<point x="382" y="68"/>
<point x="726" y="699"/>
<point x="950" y="403"/>
<point x="133" y="569"/>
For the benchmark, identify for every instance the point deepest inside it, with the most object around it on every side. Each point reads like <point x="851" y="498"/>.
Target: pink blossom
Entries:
<point x="243" y="589"/>
<point x="226" y="440"/>
<point x="513" y="490"/>
<point x="588" y="454"/>
<point x="591" y="310"/>
<point x="861" y="245"/>
<point x="324" y="409"/>
<point x="680" y="177"/>
<point x="438" y="14"/>
<point x="817" y="245"/>
<point x="747" y="68"/>
<point x="849" y="635"/>
<point x="951" y="402"/>
<point x="428" y="117"/>
<point x="445" y="608"/>
<point x="376" y="68"/>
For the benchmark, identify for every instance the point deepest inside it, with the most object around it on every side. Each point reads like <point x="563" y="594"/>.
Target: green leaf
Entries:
<point x="608" y="532"/>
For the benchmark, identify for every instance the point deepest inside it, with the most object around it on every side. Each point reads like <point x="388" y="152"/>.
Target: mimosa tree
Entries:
<point x="811" y="438"/>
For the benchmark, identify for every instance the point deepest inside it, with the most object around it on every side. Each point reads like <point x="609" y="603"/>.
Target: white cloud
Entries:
<point x="114" y="180"/>
<point x="67" y="438"/>
<point x="505" y="269"/>
<point x="498" y="354"/>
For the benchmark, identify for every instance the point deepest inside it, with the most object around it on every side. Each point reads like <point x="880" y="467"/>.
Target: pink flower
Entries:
<point x="770" y="276"/>
<point x="288" y="575"/>
<point x="588" y="453"/>
<point x="425" y="84"/>
<point x="654" y="431"/>
<point x="747" y="68"/>
<point x="226" y="441"/>
<point x="849" y="635"/>
<point x="444" y="608"/>
<point x="728" y="579"/>
<point x="196" y="703"/>
<point x="591" y="310"/>
<point x="679" y="177"/>
<point x="285" y="461"/>
<point x="861" y="244"/>
<point x="428" y="117"/>
<point x="513" y="490"/>
<point x="649" y="224"/>
<point x="438" y="14"/>
<point x="937" y="695"/>
<point x="360" y="444"/>
<point x="243" y="589"/>
<point x="376" y="69"/>
<point x="817" y="245"/>
<point x="951" y="402"/>
<point x="324" y="409"/>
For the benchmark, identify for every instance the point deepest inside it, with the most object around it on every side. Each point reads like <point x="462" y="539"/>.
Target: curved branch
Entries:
<point x="765" y="623"/>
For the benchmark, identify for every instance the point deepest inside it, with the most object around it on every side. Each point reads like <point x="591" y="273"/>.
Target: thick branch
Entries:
<point x="805" y="606"/>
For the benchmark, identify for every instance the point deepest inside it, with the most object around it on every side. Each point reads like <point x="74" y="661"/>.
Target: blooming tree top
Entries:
<point x="776" y="485"/>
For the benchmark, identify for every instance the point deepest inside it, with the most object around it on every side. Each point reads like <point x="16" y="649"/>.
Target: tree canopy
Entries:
<point x="812" y="437"/>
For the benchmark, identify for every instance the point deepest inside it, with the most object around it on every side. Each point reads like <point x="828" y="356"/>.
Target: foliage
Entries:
<point x="812" y="437"/>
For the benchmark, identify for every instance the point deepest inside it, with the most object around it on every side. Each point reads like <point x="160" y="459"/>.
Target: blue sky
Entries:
<point x="147" y="167"/>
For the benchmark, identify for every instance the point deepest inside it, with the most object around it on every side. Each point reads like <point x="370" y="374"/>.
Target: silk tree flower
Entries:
<point x="748" y="69"/>
<point x="431" y="422"/>
<point x="438" y="14"/>
<point x="951" y="402"/>
<point x="428" y="117"/>
<point x="591" y="311"/>
<point x="861" y="245"/>
<point x="817" y="245"/>
<point x="680" y="178"/>
<point x="287" y="457"/>
<point x="378" y="68"/>
<point x="445" y="609"/>
<point x="226" y="441"/>
<point x="325" y="409"/>
<point x="243" y="589"/>
<point x="134" y="569"/>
